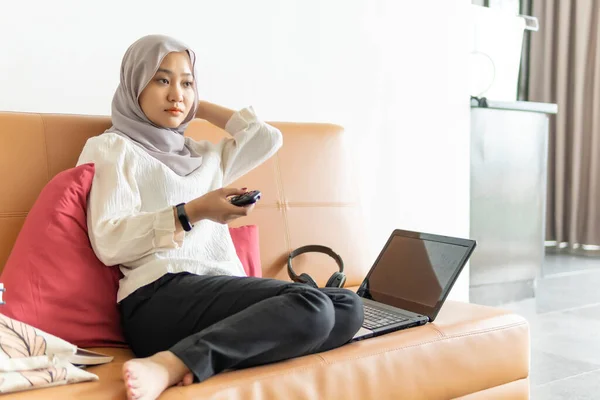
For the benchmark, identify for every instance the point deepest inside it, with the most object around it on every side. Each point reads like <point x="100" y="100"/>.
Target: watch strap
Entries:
<point x="183" y="217"/>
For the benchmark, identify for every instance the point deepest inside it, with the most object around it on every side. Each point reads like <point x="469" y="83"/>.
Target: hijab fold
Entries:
<point x="139" y="64"/>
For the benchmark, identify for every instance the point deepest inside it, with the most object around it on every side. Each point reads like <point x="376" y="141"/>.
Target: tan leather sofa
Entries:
<point x="469" y="352"/>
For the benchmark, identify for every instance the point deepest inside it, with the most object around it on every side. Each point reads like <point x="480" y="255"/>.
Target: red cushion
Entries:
<point x="245" y="240"/>
<point x="53" y="279"/>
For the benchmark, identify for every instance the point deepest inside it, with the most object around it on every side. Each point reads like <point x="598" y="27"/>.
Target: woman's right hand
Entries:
<point x="216" y="206"/>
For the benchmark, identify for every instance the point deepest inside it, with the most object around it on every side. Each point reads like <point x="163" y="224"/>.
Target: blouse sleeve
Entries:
<point x="119" y="232"/>
<point x="253" y="142"/>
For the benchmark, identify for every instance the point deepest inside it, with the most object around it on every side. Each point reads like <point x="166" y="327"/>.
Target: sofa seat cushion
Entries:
<point x="468" y="349"/>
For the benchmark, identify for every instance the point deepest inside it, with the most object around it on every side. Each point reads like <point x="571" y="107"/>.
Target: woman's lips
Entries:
<point x="175" y="111"/>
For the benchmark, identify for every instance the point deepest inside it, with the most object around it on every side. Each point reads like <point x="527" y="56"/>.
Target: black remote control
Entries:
<point x="246" y="198"/>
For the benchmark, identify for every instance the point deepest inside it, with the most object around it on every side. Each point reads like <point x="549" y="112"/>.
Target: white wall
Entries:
<point x="393" y="72"/>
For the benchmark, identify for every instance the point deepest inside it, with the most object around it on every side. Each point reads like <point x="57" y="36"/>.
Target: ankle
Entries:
<point x="174" y="366"/>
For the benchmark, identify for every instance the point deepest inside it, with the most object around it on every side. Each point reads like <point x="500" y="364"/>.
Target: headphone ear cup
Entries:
<point x="338" y="279"/>
<point x="305" y="278"/>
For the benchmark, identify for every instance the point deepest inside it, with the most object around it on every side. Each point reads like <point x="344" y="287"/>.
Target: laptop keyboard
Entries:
<point x="376" y="318"/>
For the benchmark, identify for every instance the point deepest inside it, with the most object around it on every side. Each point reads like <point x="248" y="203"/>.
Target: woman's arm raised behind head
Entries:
<point x="254" y="141"/>
<point x="215" y="114"/>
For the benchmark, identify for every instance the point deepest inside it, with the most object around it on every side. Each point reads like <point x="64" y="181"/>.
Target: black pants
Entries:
<point x="214" y="323"/>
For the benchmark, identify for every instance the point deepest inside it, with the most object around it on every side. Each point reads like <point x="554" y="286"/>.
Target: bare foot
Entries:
<point x="147" y="378"/>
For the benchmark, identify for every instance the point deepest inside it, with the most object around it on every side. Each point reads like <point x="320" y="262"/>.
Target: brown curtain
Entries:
<point x="564" y="68"/>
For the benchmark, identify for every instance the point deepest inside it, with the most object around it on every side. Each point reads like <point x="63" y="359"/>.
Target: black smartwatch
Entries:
<point x="183" y="217"/>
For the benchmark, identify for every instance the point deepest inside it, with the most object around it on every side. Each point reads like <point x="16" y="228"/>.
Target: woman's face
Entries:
<point x="169" y="96"/>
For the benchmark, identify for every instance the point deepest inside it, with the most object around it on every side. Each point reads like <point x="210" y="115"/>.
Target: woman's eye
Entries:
<point x="188" y="84"/>
<point x="163" y="80"/>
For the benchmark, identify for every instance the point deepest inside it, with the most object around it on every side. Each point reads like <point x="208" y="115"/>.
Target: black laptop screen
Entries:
<point x="414" y="273"/>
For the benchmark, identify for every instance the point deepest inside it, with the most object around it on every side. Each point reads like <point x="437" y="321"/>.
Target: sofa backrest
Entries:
<point x="308" y="188"/>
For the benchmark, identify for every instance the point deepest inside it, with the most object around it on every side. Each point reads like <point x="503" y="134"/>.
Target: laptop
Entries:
<point x="410" y="280"/>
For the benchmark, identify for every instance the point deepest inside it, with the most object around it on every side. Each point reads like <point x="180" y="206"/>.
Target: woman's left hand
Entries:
<point x="216" y="115"/>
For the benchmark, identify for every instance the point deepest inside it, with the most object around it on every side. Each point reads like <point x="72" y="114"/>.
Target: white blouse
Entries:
<point x="130" y="207"/>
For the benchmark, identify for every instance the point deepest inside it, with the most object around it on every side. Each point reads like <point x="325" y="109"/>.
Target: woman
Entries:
<point x="159" y="209"/>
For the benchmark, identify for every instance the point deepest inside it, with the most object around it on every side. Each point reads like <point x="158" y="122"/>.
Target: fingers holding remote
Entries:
<point x="246" y="199"/>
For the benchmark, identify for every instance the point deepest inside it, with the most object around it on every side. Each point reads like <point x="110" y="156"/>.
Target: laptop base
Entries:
<point x="409" y="320"/>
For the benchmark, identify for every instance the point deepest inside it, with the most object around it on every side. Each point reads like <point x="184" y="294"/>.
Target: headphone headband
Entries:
<point x="313" y="248"/>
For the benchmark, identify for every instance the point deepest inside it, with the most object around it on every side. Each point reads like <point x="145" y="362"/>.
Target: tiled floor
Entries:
<point x="565" y="329"/>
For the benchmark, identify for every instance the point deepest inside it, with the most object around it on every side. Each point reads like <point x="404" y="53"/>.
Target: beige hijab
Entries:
<point x="140" y="63"/>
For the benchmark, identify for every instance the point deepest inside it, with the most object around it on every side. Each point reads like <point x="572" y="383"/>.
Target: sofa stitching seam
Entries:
<point x="282" y="202"/>
<point x="46" y="149"/>
<point x="526" y="378"/>
<point x="446" y="338"/>
<point x="278" y="374"/>
<point x="338" y="204"/>
<point x="13" y="214"/>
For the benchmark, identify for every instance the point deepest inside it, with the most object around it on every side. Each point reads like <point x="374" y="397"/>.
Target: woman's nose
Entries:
<point x="175" y="94"/>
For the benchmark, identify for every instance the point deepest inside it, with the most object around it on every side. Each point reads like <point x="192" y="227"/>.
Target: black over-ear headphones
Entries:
<point x="338" y="279"/>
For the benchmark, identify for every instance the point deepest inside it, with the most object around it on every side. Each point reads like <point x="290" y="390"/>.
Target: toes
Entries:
<point x="127" y="367"/>
<point x="131" y="382"/>
<point x="136" y="394"/>
<point x="130" y="394"/>
<point x="128" y="373"/>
